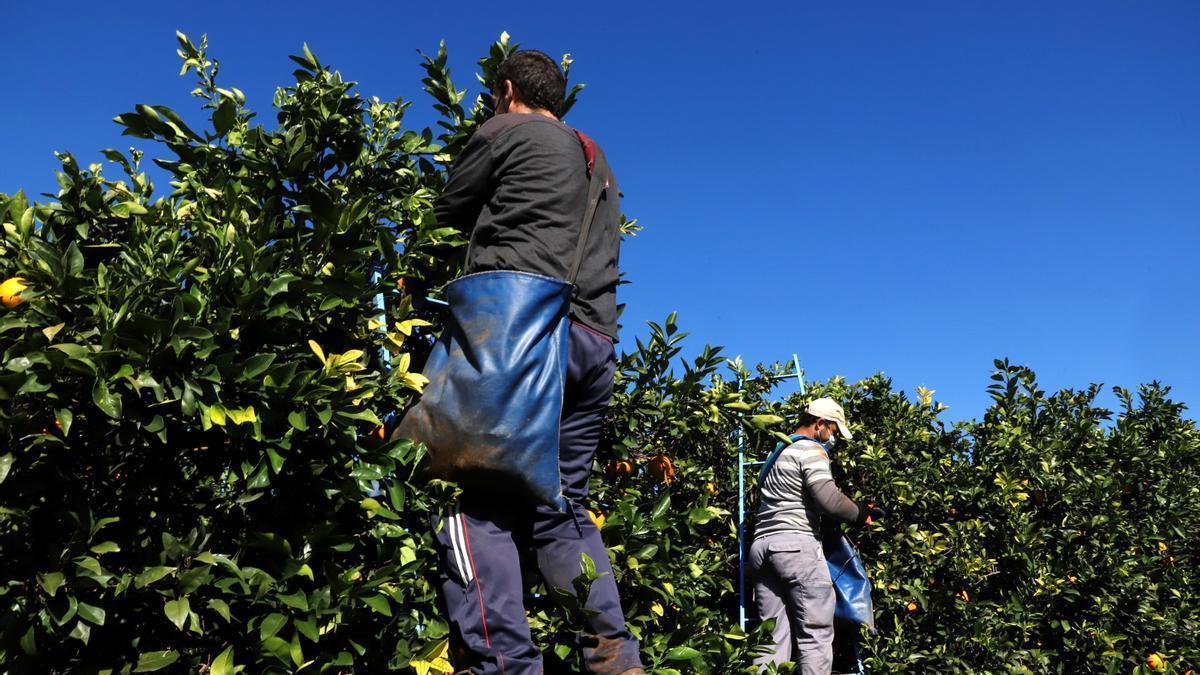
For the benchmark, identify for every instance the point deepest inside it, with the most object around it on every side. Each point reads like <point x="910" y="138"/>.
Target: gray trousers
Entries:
<point x="792" y="586"/>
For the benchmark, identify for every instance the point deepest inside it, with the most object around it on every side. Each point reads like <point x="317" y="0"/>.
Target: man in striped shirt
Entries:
<point x="791" y="580"/>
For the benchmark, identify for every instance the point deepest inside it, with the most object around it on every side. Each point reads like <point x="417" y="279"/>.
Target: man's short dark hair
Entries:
<point x="806" y="418"/>
<point x="537" y="80"/>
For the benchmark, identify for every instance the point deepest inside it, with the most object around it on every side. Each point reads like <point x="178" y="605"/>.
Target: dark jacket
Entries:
<point x="519" y="190"/>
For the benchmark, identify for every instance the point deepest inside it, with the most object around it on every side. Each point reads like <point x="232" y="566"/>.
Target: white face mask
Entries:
<point x="830" y="439"/>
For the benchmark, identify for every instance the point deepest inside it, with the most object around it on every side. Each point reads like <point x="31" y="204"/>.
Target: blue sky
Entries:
<point x="914" y="188"/>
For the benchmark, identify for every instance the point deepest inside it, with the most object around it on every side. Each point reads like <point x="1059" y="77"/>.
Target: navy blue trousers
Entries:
<point x="481" y="538"/>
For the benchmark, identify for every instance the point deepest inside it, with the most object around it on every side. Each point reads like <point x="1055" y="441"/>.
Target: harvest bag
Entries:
<point x="845" y="568"/>
<point x="850" y="581"/>
<point x="491" y="410"/>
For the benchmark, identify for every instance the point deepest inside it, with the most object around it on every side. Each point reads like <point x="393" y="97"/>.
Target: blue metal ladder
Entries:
<point x="797" y="373"/>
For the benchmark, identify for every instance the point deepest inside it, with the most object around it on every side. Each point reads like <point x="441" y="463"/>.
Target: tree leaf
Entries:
<point x="149" y="662"/>
<point x="316" y="348"/>
<point x="295" y="600"/>
<point x="224" y="116"/>
<point x="51" y="582"/>
<point x="278" y="648"/>
<point x="151" y="575"/>
<point x="127" y="209"/>
<point x="221" y="607"/>
<point x="105" y="400"/>
<point x="177" y="611"/>
<point x="223" y="664"/>
<point x="91" y="613"/>
<point x="255" y="365"/>
<point x="683" y="653"/>
<point x="271" y="625"/>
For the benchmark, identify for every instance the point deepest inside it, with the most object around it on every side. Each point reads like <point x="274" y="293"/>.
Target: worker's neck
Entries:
<point x="810" y="431"/>
<point x="518" y="107"/>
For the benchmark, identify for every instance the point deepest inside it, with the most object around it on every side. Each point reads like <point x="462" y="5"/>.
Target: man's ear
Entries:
<point x="506" y="95"/>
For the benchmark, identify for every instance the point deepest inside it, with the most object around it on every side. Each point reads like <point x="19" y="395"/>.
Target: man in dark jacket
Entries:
<point x="520" y="189"/>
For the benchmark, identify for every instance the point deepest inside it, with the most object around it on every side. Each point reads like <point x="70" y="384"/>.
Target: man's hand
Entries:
<point x="869" y="512"/>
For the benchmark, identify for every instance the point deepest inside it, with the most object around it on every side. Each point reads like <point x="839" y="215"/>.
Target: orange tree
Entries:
<point x="192" y="479"/>
<point x="1051" y="536"/>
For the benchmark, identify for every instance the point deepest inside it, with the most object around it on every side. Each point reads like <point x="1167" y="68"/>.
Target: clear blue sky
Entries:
<point x="915" y="188"/>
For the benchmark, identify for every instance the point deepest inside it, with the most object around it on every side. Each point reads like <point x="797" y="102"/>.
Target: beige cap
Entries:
<point x="828" y="409"/>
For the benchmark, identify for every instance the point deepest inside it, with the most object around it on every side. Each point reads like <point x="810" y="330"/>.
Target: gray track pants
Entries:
<point x="792" y="586"/>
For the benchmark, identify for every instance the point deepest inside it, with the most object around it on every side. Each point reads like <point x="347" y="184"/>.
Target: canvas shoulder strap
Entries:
<point x="597" y="183"/>
<point x="766" y="467"/>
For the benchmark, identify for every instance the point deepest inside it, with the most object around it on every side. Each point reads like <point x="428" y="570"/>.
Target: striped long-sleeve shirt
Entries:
<point x="799" y="490"/>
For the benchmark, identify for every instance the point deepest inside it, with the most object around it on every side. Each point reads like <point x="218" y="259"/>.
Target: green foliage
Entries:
<point x="1045" y="538"/>
<point x="190" y="390"/>
<point x="191" y="477"/>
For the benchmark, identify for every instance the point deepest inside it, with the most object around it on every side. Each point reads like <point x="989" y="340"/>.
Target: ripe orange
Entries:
<point x="1155" y="661"/>
<point x="912" y="607"/>
<point x="597" y="518"/>
<point x="10" y="292"/>
<point x="623" y="467"/>
<point x="662" y="468"/>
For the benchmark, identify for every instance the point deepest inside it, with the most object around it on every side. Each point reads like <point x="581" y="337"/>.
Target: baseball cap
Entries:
<point x="828" y="409"/>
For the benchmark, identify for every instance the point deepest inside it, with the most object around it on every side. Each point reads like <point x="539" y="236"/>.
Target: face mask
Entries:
<point x="831" y="442"/>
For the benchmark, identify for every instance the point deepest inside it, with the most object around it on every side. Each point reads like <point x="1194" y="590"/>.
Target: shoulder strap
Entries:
<point x="596" y="186"/>
<point x="766" y="468"/>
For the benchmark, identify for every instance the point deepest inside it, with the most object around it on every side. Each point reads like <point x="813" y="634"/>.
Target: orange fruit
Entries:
<point x="1155" y="661"/>
<point x="662" y="468"/>
<point x="10" y="292"/>
<point x="620" y="468"/>
<point x="597" y="518"/>
<point x="710" y="488"/>
<point x="912" y="607"/>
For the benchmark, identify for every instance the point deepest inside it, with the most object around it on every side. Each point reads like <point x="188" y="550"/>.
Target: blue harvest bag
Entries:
<point x="849" y="576"/>
<point x="849" y="581"/>
<point x="490" y="413"/>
